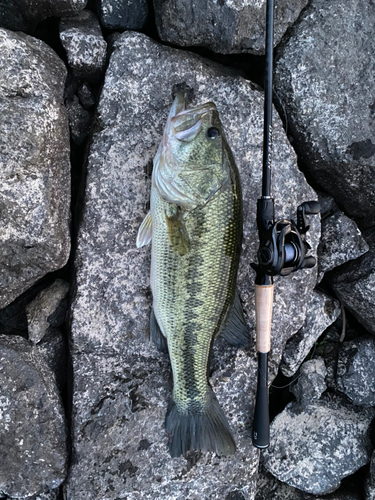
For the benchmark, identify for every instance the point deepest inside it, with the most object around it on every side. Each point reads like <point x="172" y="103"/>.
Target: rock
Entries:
<point x="322" y="311"/>
<point x="314" y="449"/>
<point x="269" y="488"/>
<point x="354" y="285"/>
<point x="311" y="384"/>
<point x="370" y="482"/>
<point x="79" y="120"/>
<point x="47" y="309"/>
<point x="54" y="349"/>
<point x="324" y="79"/>
<point x="341" y="241"/>
<point x="32" y="425"/>
<point x="23" y="15"/>
<point x="86" y="96"/>
<point x="225" y="27"/>
<point x="327" y="204"/>
<point x="122" y="14"/>
<point x="84" y="44"/>
<point x="35" y="165"/>
<point x="122" y="385"/>
<point x="328" y="349"/>
<point x="356" y="371"/>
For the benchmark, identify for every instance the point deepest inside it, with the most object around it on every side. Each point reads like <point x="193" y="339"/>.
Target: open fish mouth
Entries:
<point x="189" y="158"/>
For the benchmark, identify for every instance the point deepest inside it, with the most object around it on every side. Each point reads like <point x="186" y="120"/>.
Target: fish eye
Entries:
<point x="213" y="133"/>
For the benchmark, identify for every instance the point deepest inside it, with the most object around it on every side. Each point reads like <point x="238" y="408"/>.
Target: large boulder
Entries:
<point x="314" y="448"/>
<point x="32" y="425"/>
<point x="324" y="78"/>
<point x="226" y="27"/>
<point x="23" y="15"/>
<point x="35" y="165"/>
<point x="121" y="383"/>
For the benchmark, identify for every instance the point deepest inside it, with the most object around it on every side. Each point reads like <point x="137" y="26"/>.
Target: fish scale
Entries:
<point x="194" y="261"/>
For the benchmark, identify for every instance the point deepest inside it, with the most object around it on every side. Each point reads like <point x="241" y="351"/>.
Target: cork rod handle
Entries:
<point x="263" y="312"/>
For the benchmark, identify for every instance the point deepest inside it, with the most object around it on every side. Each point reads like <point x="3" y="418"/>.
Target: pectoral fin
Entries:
<point x="145" y="231"/>
<point x="236" y="332"/>
<point x="178" y="236"/>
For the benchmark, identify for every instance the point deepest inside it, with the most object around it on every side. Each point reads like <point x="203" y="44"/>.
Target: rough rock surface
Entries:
<point x="47" y="310"/>
<point x="269" y="488"/>
<point x="84" y="44"/>
<point x="341" y="241"/>
<point x="24" y="15"/>
<point x="32" y="426"/>
<point x="354" y="284"/>
<point x="122" y="14"/>
<point x="54" y="349"/>
<point x="370" y="482"/>
<point x="356" y="371"/>
<point x="322" y="311"/>
<point x="314" y="449"/>
<point x="329" y="107"/>
<point x="225" y="26"/>
<point x="121" y="383"/>
<point x="311" y="383"/>
<point x="79" y="120"/>
<point x="34" y="164"/>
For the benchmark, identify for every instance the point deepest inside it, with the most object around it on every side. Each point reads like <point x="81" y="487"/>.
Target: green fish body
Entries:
<point x="195" y="223"/>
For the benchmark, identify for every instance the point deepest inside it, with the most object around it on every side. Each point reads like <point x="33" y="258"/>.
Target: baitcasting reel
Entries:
<point x="283" y="244"/>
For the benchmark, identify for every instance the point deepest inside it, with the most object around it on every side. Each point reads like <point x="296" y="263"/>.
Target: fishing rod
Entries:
<point x="282" y="249"/>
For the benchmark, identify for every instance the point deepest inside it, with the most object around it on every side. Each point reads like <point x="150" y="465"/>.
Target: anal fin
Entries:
<point x="156" y="335"/>
<point x="236" y="331"/>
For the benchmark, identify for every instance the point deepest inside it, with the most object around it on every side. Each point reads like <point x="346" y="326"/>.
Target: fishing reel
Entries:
<point x="283" y="246"/>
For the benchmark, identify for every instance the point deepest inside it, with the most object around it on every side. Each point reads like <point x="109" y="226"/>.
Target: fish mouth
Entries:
<point x="186" y="124"/>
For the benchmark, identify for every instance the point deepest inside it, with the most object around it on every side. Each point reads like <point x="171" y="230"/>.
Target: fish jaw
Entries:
<point x="189" y="166"/>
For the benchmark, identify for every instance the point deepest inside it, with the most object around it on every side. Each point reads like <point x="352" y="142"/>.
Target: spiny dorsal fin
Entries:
<point x="144" y="235"/>
<point x="236" y="332"/>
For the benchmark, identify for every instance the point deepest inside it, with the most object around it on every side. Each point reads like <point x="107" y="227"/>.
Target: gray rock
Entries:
<point x="32" y="431"/>
<point x="122" y="14"/>
<point x="370" y="481"/>
<point x="84" y="44"/>
<point x="311" y="383"/>
<point x="54" y="349"/>
<point x="324" y="79"/>
<point x="34" y="164"/>
<point x="341" y="241"/>
<point x="121" y="383"/>
<point x="269" y="488"/>
<point x="356" y="371"/>
<point x="314" y="449"/>
<point x="79" y="120"/>
<point x="327" y="204"/>
<point x="47" y="309"/>
<point x="322" y="311"/>
<point x="227" y="27"/>
<point x="24" y="15"/>
<point x="86" y="96"/>
<point x="354" y="284"/>
<point x="328" y="349"/>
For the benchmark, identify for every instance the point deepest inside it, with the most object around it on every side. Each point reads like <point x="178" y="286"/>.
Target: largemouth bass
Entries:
<point x="195" y="223"/>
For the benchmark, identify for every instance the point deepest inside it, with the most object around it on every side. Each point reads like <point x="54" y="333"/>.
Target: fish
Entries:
<point x="195" y="225"/>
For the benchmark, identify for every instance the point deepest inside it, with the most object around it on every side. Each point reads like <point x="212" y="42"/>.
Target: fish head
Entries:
<point x="189" y="167"/>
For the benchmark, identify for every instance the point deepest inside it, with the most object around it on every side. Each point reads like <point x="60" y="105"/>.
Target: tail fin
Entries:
<point x="206" y="429"/>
